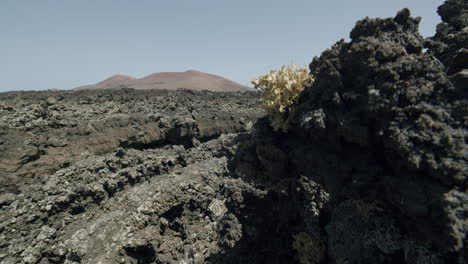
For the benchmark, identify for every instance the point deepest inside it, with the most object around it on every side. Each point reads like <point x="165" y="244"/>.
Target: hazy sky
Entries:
<point x="62" y="44"/>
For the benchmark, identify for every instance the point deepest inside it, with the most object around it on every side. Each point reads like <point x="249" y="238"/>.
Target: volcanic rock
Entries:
<point x="373" y="169"/>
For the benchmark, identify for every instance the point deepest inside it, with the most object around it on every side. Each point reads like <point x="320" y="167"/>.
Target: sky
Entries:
<point x="62" y="44"/>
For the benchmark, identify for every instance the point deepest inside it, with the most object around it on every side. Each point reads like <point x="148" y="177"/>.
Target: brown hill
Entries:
<point x="191" y="79"/>
<point x="113" y="82"/>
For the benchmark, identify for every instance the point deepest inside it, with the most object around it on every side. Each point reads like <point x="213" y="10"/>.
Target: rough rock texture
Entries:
<point x="382" y="131"/>
<point x="450" y="43"/>
<point x="131" y="206"/>
<point x="141" y="177"/>
<point x="119" y="176"/>
<point x="41" y="132"/>
<point x="374" y="169"/>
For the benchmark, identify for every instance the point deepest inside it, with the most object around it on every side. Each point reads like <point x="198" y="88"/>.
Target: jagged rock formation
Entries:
<point x="450" y="42"/>
<point x="372" y="171"/>
<point x="383" y="131"/>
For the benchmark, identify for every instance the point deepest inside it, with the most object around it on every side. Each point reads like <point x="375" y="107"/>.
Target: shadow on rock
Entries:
<point x="374" y="171"/>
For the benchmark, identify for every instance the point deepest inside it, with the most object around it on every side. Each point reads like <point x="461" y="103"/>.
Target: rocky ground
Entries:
<point x="374" y="169"/>
<point x="42" y="132"/>
<point x="65" y="156"/>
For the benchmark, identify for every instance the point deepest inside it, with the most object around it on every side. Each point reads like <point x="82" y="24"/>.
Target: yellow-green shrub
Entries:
<point x="281" y="90"/>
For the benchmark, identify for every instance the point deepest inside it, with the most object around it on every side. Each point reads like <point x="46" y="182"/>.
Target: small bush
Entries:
<point x="281" y="90"/>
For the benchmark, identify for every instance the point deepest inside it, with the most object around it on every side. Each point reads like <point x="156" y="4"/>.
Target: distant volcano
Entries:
<point x="192" y="79"/>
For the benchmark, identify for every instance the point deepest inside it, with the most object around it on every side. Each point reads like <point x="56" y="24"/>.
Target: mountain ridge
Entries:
<point x="190" y="79"/>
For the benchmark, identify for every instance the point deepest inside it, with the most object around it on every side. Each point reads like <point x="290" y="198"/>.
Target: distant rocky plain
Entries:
<point x="373" y="170"/>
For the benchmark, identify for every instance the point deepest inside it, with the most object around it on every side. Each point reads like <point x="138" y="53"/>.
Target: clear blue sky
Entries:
<point x="63" y="44"/>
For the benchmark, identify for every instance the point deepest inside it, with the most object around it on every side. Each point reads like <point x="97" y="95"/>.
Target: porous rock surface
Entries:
<point x="383" y="131"/>
<point x="41" y="132"/>
<point x="120" y="176"/>
<point x="372" y="171"/>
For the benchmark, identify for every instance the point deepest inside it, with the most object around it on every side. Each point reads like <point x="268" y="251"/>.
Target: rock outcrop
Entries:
<point x="382" y="133"/>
